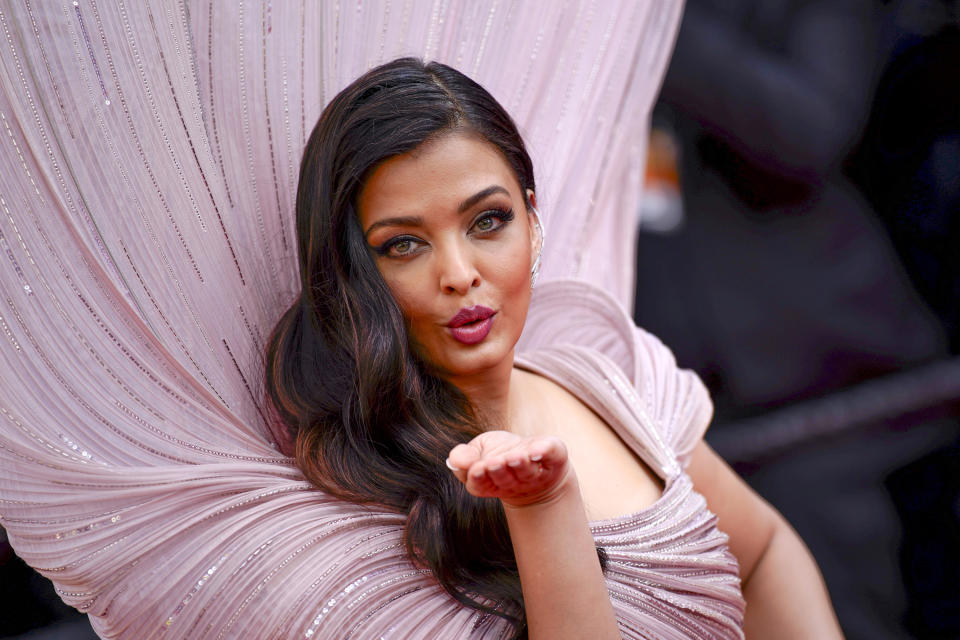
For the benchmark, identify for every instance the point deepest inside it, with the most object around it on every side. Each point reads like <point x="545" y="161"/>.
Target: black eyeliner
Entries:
<point x="384" y="248"/>
<point x="504" y="215"/>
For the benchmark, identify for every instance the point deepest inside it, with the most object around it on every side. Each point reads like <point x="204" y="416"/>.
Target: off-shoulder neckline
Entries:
<point x="669" y="480"/>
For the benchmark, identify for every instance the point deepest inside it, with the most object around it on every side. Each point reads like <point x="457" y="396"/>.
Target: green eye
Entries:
<point x="399" y="247"/>
<point x="492" y="221"/>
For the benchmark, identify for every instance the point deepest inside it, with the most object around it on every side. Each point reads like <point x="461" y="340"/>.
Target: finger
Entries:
<point x="460" y="474"/>
<point x="479" y="483"/>
<point x="482" y="488"/>
<point x="524" y="469"/>
<point x="501" y="474"/>
<point x="461" y="458"/>
<point x="548" y="451"/>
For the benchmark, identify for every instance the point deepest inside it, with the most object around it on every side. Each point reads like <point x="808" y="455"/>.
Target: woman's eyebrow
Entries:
<point x="399" y="221"/>
<point x="480" y="195"/>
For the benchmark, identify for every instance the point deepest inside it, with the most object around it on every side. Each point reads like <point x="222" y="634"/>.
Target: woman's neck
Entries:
<point x="489" y="393"/>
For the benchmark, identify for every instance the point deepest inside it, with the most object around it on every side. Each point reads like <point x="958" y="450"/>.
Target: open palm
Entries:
<point x="519" y="470"/>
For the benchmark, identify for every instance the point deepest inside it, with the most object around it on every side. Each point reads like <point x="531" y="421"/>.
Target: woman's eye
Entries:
<point x="492" y="221"/>
<point x="397" y="248"/>
<point x="485" y="224"/>
<point x="401" y="247"/>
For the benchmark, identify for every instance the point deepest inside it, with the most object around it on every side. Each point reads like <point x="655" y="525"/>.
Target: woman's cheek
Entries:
<point x="513" y="270"/>
<point x="403" y="293"/>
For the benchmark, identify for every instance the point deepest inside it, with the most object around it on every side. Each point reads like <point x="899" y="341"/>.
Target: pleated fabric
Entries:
<point x="147" y="175"/>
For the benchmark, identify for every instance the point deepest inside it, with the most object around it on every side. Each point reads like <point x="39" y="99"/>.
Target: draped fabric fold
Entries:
<point x="149" y="154"/>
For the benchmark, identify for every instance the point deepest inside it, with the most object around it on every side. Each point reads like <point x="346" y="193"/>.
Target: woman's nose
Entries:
<point x="458" y="273"/>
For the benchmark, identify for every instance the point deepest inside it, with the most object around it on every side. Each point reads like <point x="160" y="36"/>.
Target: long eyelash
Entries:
<point x="384" y="248"/>
<point x="503" y="215"/>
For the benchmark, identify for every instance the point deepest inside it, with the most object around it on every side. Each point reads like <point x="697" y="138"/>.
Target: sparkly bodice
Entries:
<point x="669" y="571"/>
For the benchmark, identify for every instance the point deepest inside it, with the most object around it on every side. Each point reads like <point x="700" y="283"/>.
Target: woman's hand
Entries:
<point x="564" y="592"/>
<point x="521" y="471"/>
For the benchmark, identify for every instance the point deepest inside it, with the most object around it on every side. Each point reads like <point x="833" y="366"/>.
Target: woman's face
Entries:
<point x="450" y="232"/>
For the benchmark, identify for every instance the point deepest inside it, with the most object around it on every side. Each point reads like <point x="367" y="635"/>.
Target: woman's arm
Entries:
<point x="785" y="593"/>
<point x="564" y="592"/>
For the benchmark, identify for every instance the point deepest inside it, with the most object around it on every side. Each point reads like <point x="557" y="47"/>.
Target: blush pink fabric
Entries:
<point x="147" y="174"/>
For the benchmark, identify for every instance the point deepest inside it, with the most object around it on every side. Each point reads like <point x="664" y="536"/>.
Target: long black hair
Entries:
<point x="372" y="424"/>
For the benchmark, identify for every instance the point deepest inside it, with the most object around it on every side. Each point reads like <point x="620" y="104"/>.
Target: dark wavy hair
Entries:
<point x="372" y="424"/>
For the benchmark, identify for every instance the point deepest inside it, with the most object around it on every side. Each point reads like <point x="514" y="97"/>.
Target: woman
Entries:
<point x="567" y="509"/>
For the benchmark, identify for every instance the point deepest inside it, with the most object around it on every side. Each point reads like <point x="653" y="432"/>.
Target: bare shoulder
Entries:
<point x="613" y="480"/>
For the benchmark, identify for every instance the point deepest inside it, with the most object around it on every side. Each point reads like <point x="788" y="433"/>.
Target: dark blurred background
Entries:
<point x="799" y="250"/>
<point x="30" y="608"/>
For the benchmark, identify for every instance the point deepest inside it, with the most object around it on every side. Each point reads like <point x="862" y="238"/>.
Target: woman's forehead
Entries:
<point x="440" y="173"/>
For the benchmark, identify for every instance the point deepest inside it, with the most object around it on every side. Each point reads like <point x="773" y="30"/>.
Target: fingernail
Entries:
<point x="515" y="463"/>
<point x="536" y="458"/>
<point x="450" y="465"/>
<point x="494" y="468"/>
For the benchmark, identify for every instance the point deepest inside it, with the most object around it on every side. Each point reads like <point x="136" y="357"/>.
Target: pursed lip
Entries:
<point x="471" y="325"/>
<point x="470" y="314"/>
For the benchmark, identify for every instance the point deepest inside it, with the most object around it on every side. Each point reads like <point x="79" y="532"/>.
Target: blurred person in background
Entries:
<point x="778" y="282"/>
<point x="908" y="163"/>
<point x="908" y="166"/>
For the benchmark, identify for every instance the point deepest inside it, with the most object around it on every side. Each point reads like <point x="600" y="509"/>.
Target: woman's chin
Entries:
<point x="483" y="358"/>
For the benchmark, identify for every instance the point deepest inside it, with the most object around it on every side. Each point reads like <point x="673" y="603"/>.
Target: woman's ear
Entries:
<point x="536" y="235"/>
<point x="535" y="224"/>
